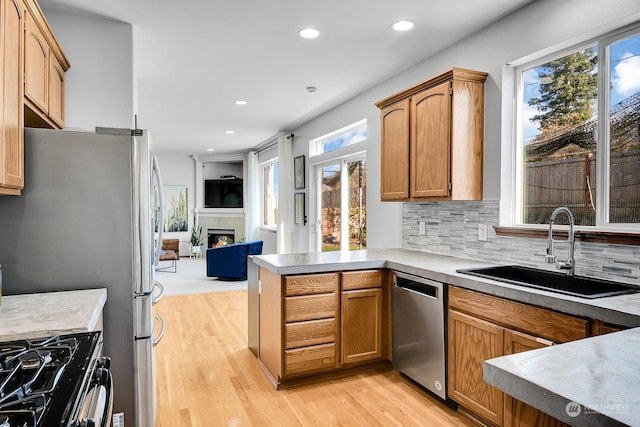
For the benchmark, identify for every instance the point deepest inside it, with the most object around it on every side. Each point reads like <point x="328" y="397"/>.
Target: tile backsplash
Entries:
<point x="452" y="228"/>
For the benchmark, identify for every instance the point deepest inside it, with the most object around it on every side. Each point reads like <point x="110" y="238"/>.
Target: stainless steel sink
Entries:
<point x="579" y="286"/>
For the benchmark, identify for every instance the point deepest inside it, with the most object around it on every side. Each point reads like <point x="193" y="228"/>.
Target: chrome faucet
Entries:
<point x="570" y="264"/>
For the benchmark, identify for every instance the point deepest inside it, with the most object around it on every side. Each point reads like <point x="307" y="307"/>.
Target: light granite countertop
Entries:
<point x="598" y="373"/>
<point x="50" y="313"/>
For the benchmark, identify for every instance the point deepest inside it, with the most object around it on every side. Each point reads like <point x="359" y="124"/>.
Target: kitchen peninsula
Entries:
<point x="622" y="311"/>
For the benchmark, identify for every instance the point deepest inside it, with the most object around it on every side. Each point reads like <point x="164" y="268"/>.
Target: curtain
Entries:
<point x="285" y="195"/>
<point x="252" y="216"/>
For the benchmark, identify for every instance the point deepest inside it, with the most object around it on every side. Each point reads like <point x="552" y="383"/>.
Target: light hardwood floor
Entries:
<point x="206" y="376"/>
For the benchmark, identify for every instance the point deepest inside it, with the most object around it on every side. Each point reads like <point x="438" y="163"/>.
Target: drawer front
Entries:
<point x="554" y="326"/>
<point x="310" y="307"/>
<point x="312" y="332"/>
<point x="310" y="284"/>
<point x="361" y="279"/>
<point x="306" y="360"/>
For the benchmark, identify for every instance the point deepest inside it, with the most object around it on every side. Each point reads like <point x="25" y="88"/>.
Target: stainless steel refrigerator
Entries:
<point x="86" y="220"/>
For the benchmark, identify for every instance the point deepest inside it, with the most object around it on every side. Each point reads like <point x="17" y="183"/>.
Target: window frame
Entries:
<point x="316" y="145"/>
<point x="512" y="167"/>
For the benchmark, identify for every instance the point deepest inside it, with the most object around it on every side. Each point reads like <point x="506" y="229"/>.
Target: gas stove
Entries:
<point x="55" y="381"/>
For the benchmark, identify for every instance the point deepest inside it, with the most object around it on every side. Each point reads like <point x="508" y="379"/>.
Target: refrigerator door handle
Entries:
<point x="144" y="316"/>
<point x="157" y="339"/>
<point x="158" y="178"/>
<point x="160" y="295"/>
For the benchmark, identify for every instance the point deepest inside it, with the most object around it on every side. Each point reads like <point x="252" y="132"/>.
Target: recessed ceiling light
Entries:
<point x="229" y="132"/>
<point x="312" y="89"/>
<point x="241" y="102"/>
<point x="308" y="33"/>
<point x="402" y="25"/>
<point x="210" y="149"/>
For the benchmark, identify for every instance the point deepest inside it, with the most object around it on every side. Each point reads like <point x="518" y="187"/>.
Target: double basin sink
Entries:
<point x="579" y="286"/>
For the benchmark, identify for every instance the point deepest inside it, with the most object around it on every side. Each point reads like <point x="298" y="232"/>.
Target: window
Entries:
<point x="270" y="194"/>
<point x="343" y="204"/>
<point x="348" y="135"/>
<point x="338" y="192"/>
<point x="577" y="130"/>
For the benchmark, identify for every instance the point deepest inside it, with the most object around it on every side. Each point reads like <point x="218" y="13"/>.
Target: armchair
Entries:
<point x="230" y="262"/>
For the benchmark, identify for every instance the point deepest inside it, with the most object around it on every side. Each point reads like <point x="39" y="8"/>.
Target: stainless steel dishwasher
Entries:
<point x="417" y="311"/>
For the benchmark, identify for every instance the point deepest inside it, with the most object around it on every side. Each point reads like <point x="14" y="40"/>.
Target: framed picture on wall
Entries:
<point x="298" y="172"/>
<point x="299" y="216"/>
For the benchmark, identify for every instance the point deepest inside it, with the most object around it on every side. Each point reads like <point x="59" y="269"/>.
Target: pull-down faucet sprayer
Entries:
<point x="570" y="264"/>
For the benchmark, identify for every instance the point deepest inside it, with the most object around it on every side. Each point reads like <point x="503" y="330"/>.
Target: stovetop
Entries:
<point x="41" y="380"/>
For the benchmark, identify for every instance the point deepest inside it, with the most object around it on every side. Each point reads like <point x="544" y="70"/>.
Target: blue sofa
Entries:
<point x="230" y="262"/>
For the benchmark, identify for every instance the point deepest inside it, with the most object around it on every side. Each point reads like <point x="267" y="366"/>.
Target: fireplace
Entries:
<point x="220" y="237"/>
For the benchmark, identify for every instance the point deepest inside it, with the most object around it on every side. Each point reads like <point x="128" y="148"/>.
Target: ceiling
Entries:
<point x="194" y="58"/>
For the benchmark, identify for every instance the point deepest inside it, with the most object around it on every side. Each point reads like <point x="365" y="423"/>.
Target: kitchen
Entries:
<point x="471" y="53"/>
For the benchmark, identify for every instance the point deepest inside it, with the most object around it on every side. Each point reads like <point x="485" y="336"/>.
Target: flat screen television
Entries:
<point x="223" y="193"/>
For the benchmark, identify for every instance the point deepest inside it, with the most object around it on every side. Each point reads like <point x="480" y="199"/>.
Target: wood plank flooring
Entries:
<point x="206" y="376"/>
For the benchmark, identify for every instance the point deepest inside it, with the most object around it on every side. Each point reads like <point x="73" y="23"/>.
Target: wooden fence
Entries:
<point x="571" y="182"/>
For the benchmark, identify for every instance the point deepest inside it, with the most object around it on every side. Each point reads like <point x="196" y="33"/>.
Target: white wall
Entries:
<point x="215" y="170"/>
<point x="178" y="169"/>
<point x="99" y="84"/>
<point x="538" y="26"/>
<point x="99" y="89"/>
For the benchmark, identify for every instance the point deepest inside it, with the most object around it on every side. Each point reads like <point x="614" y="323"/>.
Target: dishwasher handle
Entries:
<point x="419" y="285"/>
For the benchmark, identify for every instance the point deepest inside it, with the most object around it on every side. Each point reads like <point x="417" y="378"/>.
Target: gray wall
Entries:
<point x="178" y="170"/>
<point x="100" y="88"/>
<point x="99" y="84"/>
<point x="541" y="25"/>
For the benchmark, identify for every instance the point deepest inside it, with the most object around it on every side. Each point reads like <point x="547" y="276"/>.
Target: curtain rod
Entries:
<point x="271" y="145"/>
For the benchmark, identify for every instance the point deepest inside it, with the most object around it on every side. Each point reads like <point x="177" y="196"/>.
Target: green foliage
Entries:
<point x="197" y="238"/>
<point x="568" y="87"/>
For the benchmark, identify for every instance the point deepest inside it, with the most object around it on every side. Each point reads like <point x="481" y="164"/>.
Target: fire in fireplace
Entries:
<point x="220" y="237"/>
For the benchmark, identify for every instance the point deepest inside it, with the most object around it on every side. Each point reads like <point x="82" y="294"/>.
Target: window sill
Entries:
<point x="614" y="238"/>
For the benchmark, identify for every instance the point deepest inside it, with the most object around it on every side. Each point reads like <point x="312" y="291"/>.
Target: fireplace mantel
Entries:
<point x="220" y="212"/>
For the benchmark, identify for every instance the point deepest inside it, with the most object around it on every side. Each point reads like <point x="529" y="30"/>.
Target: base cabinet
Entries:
<point x="483" y="327"/>
<point x="516" y="412"/>
<point x="471" y="342"/>
<point x="361" y="334"/>
<point x="318" y="323"/>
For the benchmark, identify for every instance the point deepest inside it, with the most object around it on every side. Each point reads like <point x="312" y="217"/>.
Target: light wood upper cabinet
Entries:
<point x="432" y="139"/>
<point x="36" y="65"/>
<point x="56" y="91"/>
<point x="430" y="142"/>
<point x="394" y="120"/>
<point x="45" y="65"/>
<point x="11" y="96"/>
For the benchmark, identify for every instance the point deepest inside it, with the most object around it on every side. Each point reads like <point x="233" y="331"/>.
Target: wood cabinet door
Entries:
<point x="394" y="182"/>
<point x="431" y="142"/>
<point x="36" y="65"/>
<point x="361" y="337"/>
<point x="56" y="91"/>
<point x="471" y="341"/>
<point x="517" y="413"/>
<point x="11" y="95"/>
